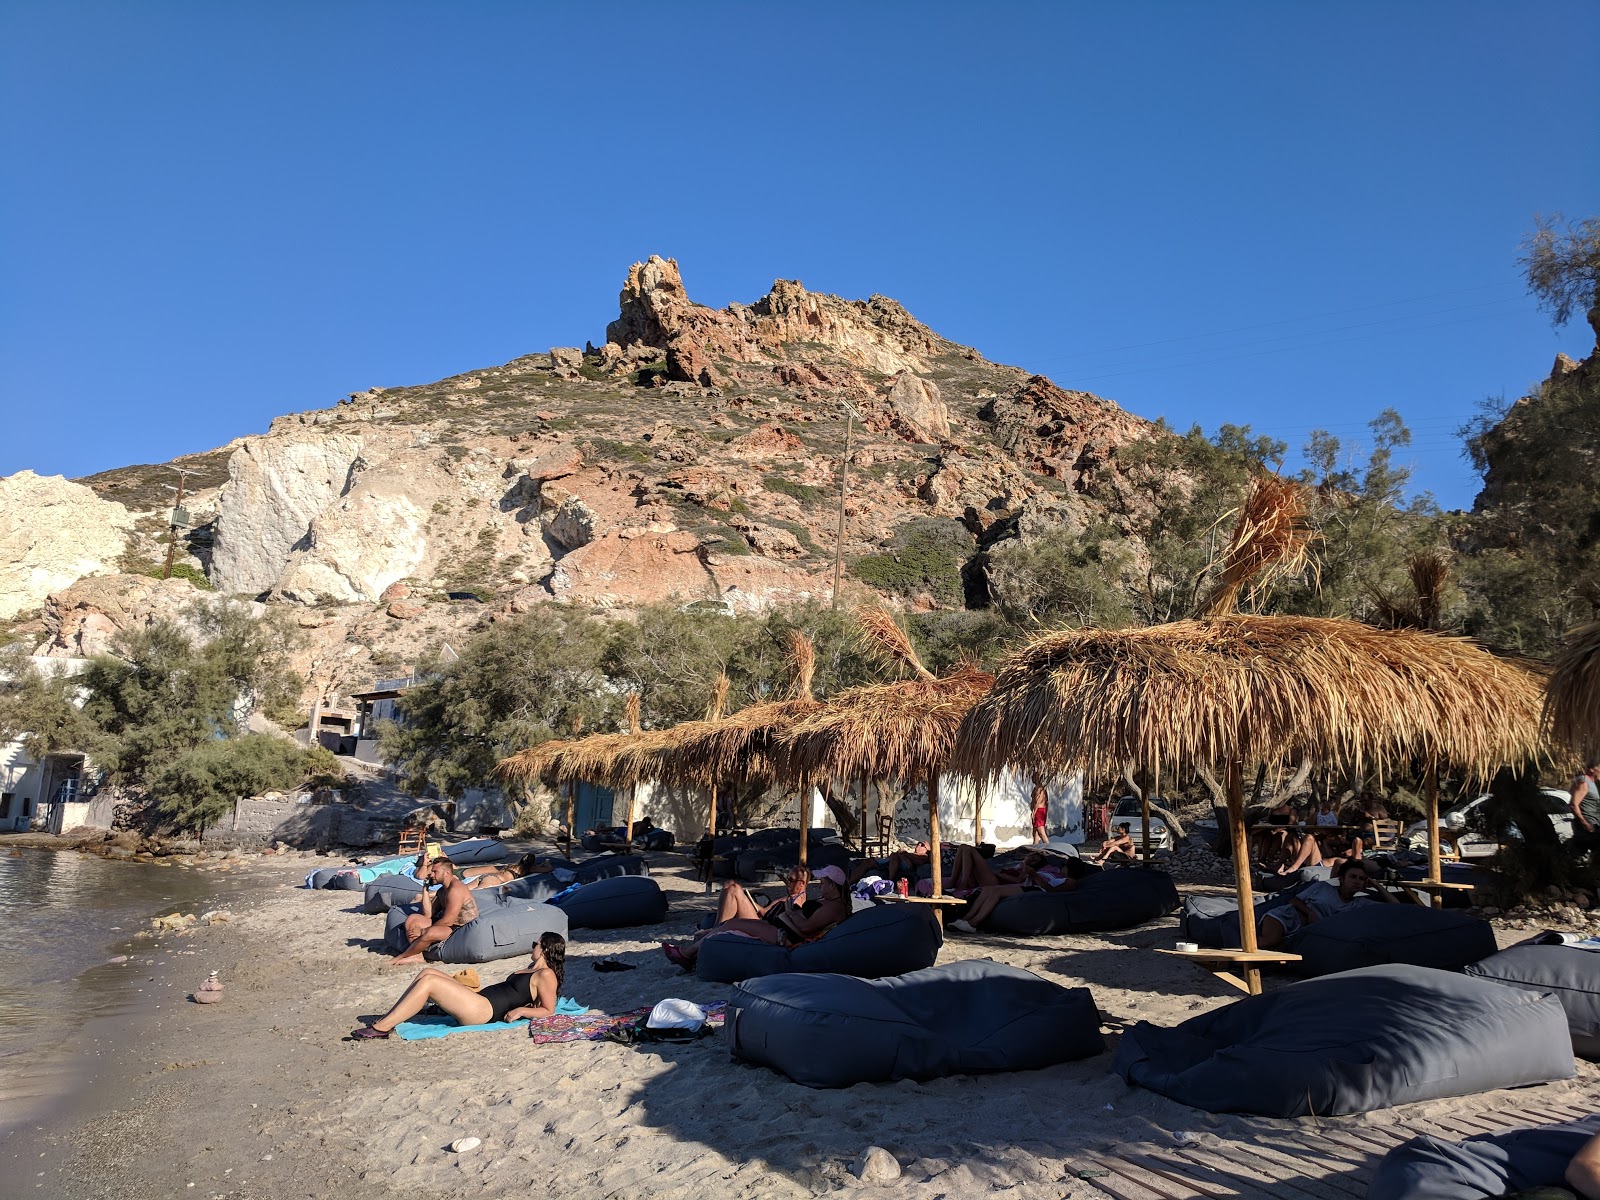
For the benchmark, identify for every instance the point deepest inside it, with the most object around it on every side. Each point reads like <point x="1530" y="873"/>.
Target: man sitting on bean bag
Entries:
<point x="1350" y="886"/>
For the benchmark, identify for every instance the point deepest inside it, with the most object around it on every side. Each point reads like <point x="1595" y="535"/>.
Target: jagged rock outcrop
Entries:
<point x="52" y="533"/>
<point x="87" y="618"/>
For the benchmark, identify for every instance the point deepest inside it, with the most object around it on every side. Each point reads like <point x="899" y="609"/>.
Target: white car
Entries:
<point x="1479" y="845"/>
<point x="1127" y="812"/>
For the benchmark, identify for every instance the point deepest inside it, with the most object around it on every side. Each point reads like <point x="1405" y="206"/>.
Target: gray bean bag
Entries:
<point x="614" y="903"/>
<point x="969" y="1016"/>
<point x="384" y="892"/>
<point x="504" y="928"/>
<point x="883" y="939"/>
<point x="1481" y="1167"/>
<point x="1213" y="921"/>
<point x="478" y="850"/>
<point x="1571" y="975"/>
<point x="1370" y="935"/>
<point x="1351" y="1043"/>
<point x="1102" y="901"/>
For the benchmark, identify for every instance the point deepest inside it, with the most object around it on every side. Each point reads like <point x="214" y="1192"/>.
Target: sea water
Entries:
<point x="64" y="917"/>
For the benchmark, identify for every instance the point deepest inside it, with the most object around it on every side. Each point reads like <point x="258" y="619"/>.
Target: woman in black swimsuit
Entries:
<point x="530" y="992"/>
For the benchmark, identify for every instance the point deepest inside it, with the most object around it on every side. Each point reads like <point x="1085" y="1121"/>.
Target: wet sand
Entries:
<point x="262" y="1096"/>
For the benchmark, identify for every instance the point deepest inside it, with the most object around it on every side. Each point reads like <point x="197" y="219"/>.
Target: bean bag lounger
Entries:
<point x="962" y="1018"/>
<point x="1370" y="935"/>
<point x="478" y="850"/>
<point x="504" y="928"/>
<point x="386" y="891"/>
<point x="355" y="879"/>
<point x="1351" y="1043"/>
<point x="1571" y="975"/>
<point x="1483" y="1166"/>
<point x="1213" y="921"/>
<point x="614" y="903"/>
<point x="1103" y="901"/>
<point x="879" y="941"/>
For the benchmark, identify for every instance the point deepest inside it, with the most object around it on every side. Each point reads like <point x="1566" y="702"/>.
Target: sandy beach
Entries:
<point x="263" y="1096"/>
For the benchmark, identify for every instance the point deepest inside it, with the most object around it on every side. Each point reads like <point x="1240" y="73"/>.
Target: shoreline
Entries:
<point x="262" y="1096"/>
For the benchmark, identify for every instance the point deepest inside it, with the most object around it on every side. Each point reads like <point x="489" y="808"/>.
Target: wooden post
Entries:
<point x="844" y="488"/>
<point x="1241" y="872"/>
<point x="805" y="823"/>
<point x="572" y="815"/>
<point x="977" y="814"/>
<point x="1144" y="813"/>
<point x="863" y="816"/>
<point x="933" y="834"/>
<point x="711" y="818"/>
<point x="1430" y="787"/>
<point x="633" y="797"/>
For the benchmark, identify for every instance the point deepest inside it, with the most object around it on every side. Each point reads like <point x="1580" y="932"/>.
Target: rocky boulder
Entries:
<point x="52" y="533"/>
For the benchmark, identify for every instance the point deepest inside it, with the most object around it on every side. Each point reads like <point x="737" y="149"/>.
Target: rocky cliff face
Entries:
<point x="52" y="533"/>
<point x="694" y="454"/>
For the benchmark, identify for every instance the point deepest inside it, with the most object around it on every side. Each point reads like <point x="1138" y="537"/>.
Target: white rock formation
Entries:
<point x="277" y="486"/>
<point x="52" y="533"/>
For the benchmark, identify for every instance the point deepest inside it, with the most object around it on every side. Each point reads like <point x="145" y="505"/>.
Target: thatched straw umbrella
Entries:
<point x="1214" y="691"/>
<point x="901" y="731"/>
<point x="598" y="758"/>
<point x="1572" y="706"/>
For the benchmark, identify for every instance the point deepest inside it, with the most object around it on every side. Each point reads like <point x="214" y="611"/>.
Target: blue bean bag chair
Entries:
<point x="963" y="1018"/>
<point x="1484" y="1166"/>
<point x="1370" y="935"/>
<point x="504" y="928"/>
<point x="1572" y="976"/>
<point x="1102" y="901"/>
<point x="1213" y="921"/>
<point x="614" y="903"/>
<point x="1353" y="1042"/>
<point x="880" y="940"/>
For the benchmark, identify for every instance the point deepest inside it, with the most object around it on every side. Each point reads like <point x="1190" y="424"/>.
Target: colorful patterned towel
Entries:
<point x="595" y="1026"/>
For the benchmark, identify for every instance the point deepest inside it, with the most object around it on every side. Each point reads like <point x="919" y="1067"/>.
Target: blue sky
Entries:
<point x="1286" y="215"/>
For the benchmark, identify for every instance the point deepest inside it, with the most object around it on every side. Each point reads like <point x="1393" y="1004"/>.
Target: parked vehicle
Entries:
<point x="1128" y="811"/>
<point x="1457" y="819"/>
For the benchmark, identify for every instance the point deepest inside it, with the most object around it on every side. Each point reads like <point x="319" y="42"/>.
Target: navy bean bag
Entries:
<point x="1102" y="901"/>
<point x="963" y="1018"/>
<point x="1569" y="974"/>
<point x="478" y="850"/>
<point x="504" y="928"/>
<point x="1484" y="1166"/>
<point x="1213" y="921"/>
<point x="880" y="940"/>
<point x="1352" y="1043"/>
<point x="1370" y="935"/>
<point x="614" y="903"/>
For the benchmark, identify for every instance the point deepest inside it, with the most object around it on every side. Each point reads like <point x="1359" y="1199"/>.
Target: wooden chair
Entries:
<point x="411" y="841"/>
<point x="1385" y="834"/>
<point x="877" y="846"/>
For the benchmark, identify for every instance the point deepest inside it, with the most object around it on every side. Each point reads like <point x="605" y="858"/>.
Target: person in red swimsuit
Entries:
<point x="1041" y="813"/>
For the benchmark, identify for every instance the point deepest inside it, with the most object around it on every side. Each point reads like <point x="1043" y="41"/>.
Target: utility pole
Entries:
<point x="172" y="528"/>
<point x="844" y="488"/>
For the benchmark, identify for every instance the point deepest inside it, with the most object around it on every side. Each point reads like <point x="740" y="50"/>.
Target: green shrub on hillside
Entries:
<point x="925" y="558"/>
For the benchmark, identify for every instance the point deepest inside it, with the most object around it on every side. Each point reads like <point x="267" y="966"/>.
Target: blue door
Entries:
<point x="593" y="806"/>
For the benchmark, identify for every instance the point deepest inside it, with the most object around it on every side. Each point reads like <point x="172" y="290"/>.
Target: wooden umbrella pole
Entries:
<point x="1144" y="813"/>
<point x="633" y="797"/>
<point x="1431" y="788"/>
<point x="805" y="823"/>
<point x="711" y="822"/>
<point x="1241" y="870"/>
<point x="977" y="816"/>
<point x="933" y="834"/>
<point x="863" y="816"/>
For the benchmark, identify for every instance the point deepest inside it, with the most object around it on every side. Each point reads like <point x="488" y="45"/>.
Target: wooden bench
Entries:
<point x="1219" y="962"/>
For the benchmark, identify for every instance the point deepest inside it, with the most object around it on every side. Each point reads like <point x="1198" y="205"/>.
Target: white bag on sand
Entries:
<point x="676" y="1014"/>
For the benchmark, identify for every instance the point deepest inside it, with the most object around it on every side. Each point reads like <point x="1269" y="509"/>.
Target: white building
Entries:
<point x="45" y="794"/>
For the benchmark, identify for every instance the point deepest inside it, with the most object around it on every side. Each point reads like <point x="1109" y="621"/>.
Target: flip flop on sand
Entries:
<point x="676" y="956"/>
<point x="368" y="1033"/>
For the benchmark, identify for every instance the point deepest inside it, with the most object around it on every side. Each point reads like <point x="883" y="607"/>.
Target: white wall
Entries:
<point x="19" y="774"/>
<point x="1007" y="814"/>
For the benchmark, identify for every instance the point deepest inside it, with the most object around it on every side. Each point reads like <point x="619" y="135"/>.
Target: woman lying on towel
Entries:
<point x="530" y="992"/>
<point x="791" y="921"/>
<point x="483" y="877"/>
<point x="1036" y="874"/>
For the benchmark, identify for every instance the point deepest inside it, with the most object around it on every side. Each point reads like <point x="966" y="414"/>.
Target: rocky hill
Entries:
<point x="693" y="454"/>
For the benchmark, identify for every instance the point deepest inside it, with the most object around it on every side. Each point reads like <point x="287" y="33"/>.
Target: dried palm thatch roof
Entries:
<point x="1429" y="573"/>
<point x="558" y="761"/>
<point x="1572" y="705"/>
<point x="526" y="767"/>
<point x="1205" y="692"/>
<point x="901" y="731"/>
<point x="1270" y="540"/>
<point x="888" y="645"/>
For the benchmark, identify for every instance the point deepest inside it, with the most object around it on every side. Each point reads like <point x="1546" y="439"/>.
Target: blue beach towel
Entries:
<point x="438" y="1025"/>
